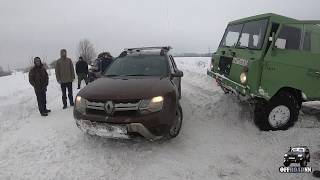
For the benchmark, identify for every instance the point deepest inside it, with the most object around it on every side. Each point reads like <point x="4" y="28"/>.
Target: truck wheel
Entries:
<point x="303" y="163"/>
<point x="286" y="163"/>
<point x="280" y="113"/>
<point x="175" y="129"/>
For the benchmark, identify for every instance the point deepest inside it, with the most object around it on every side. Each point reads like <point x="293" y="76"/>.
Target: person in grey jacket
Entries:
<point x="65" y="76"/>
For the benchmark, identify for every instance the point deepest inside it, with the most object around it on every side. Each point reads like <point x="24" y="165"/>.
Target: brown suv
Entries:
<point x="138" y="94"/>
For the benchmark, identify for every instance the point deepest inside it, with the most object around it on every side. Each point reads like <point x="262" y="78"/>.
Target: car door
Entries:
<point x="293" y="62"/>
<point x="175" y="80"/>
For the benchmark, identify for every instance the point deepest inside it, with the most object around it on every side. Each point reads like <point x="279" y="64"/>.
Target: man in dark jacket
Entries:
<point x="38" y="78"/>
<point x="65" y="76"/>
<point x="82" y="71"/>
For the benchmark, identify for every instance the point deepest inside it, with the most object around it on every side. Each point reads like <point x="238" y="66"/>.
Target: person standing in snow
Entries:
<point x="82" y="71"/>
<point x="39" y="79"/>
<point x="65" y="76"/>
<point x="105" y="61"/>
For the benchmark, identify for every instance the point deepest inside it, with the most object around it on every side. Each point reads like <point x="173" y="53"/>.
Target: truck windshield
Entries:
<point x="150" y="65"/>
<point x="248" y="35"/>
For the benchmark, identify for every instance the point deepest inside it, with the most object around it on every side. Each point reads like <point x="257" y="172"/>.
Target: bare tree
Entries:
<point x="86" y="50"/>
<point x="1" y="69"/>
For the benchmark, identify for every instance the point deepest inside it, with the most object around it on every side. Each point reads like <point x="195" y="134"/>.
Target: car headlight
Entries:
<point x="151" y="105"/>
<point x="81" y="104"/>
<point x="299" y="155"/>
<point x="285" y="155"/>
<point x="243" y="78"/>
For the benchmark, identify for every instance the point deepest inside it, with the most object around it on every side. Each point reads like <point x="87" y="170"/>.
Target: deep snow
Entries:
<point x="218" y="138"/>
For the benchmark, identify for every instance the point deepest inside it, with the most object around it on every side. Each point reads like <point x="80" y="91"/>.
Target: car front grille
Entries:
<point x="113" y="108"/>
<point x="225" y="65"/>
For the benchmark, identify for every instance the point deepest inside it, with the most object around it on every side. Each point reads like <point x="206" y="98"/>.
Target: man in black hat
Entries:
<point x="39" y="79"/>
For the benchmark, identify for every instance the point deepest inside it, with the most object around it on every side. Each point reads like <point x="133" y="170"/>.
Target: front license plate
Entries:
<point x="114" y="128"/>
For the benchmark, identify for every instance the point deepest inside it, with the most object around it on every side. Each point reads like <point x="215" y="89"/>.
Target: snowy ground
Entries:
<point x="218" y="138"/>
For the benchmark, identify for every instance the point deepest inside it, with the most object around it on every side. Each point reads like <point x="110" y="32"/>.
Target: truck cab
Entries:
<point x="273" y="62"/>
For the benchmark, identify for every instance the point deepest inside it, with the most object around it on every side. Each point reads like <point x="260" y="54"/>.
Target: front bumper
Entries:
<point x="295" y="160"/>
<point x="116" y="131"/>
<point x="230" y="86"/>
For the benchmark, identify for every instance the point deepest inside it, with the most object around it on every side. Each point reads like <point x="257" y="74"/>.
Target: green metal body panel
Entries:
<point x="270" y="68"/>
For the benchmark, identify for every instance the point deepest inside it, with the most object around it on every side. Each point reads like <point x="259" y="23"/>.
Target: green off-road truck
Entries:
<point x="273" y="62"/>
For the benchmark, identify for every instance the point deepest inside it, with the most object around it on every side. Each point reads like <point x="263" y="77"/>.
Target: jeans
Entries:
<point x="81" y="77"/>
<point x="64" y="87"/>
<point x="41" y="99"/>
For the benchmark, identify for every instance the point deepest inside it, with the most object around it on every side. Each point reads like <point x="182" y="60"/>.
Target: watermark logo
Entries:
<point x="297" y="169"/>
<point x="296" y="155"/>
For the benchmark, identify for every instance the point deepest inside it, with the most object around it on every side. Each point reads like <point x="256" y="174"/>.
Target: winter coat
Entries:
<point x="82" y="67"/>
<point x="38" y="78"/>
<point x="64" y="70"/>
<point x="105" y="63"/>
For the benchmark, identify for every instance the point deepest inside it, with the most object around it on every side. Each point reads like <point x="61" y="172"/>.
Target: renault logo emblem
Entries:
<point x="109" y="107"/>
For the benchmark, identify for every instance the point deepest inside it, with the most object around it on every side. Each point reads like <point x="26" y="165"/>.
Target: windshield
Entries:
<point x="150" y="65"/>
<point x="297" y="150"/>
<point x="249" y="35"/>
<point x="231" y="36"/>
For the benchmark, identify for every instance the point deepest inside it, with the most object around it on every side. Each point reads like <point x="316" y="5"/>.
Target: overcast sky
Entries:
<point x="31" y="28"/>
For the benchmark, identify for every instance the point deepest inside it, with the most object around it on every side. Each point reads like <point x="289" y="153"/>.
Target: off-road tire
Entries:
<point x="171" y="135"/>
<point x="303" y="163"/>
<point x="286" y="163"/>
<point x="263" y="109"/>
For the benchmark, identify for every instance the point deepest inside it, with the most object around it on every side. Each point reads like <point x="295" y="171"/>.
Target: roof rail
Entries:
<point x="166" y="48"/>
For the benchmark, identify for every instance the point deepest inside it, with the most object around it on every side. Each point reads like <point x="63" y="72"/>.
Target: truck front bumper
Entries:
<point x="230" y="86"/>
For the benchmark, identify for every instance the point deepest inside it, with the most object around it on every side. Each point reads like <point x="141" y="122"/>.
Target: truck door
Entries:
<point x="293" y="61"/>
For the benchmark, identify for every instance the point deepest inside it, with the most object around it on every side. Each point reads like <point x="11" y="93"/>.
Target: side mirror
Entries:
<point x="177" y="74"/>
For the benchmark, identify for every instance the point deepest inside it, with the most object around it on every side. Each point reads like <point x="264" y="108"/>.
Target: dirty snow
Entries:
<point x="218" y="138"/>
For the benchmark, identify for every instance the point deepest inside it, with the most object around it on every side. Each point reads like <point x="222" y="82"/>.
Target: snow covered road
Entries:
<point x="218" y="139"/>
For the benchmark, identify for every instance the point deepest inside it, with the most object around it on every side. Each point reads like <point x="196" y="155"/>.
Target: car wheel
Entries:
<point x="303" y="163"/>
<point x="176" y="127"/>
<point x="316" y="173"/>
<point x="286" y="163"/>
<point x="280" y="113"/>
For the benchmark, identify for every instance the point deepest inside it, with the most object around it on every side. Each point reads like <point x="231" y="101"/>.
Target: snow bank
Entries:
<point x="218" y="139"/>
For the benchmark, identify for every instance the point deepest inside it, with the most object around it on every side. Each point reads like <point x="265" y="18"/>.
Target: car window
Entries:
<point x="297" y="150"/>
<point x="231" y="35"/>
<point x="150" y="65"/>
<point x="311" y="40"/>
<point x="289" y="38"/>
<point x="253" y="33"/>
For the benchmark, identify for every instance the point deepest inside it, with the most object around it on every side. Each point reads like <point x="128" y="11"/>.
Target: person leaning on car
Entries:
<point x="82" y="71"/>
<point x="39" y="79"/>
<point x="65" y="76"/>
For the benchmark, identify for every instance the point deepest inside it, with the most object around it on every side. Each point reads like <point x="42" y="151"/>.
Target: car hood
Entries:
<point x="126" y="88"/>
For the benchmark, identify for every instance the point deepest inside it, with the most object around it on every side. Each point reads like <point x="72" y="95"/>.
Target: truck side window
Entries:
<point x="312" y="38"/>
<point x="289" y="38"/>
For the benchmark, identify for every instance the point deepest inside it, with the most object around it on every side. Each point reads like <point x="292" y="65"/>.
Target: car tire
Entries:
<point x="175" y="129"/>
<point x="286" y="163"/>
<point x="316" y="174"/>
<point x="303" y="163"/>
<point x="280" y="113"/>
